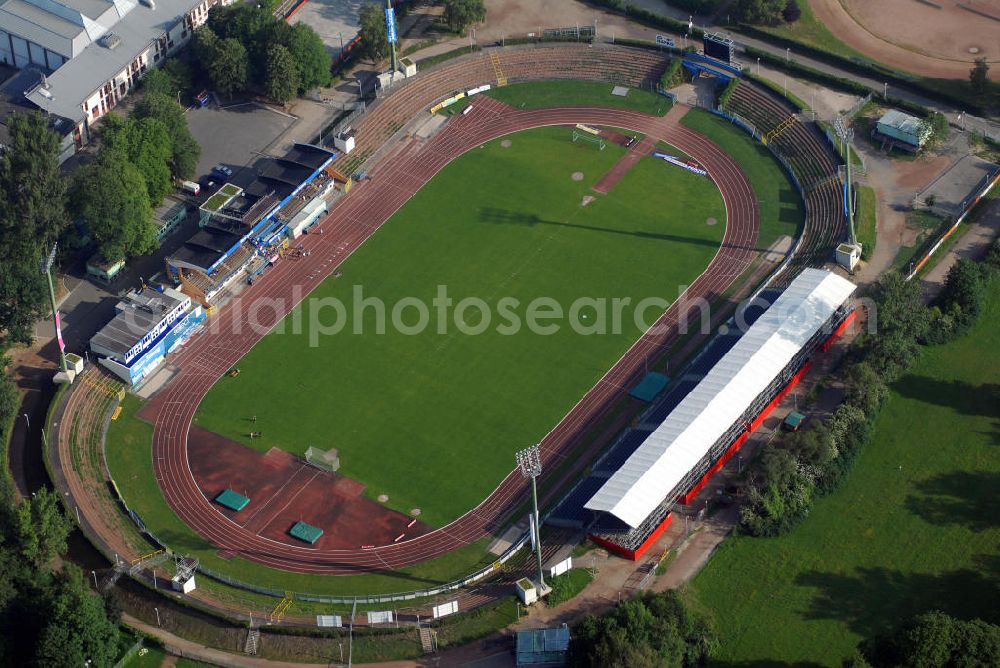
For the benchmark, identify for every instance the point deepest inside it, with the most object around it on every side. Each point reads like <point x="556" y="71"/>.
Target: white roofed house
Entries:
<point x="713" y="419"/>
<point x="93" y="51"/>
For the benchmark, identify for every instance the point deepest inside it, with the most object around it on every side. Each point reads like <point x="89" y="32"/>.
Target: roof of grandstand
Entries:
<point x="205" y="247"/>
<point x="721" y="397"/>
<point x="138" y="313"/>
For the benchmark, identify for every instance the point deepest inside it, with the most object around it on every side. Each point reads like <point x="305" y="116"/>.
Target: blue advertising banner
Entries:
<point x="390" y="24"/>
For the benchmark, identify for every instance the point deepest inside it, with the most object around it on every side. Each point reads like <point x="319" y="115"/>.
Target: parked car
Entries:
<point x="222" y="172"/>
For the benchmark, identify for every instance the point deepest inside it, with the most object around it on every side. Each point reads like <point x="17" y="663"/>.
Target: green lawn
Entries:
<point x="433" y="420"/>
<point x="865" y="219"/>
<point x="568" y="585"/>
<point x="540" y="94"/>
<point x="781" y="210"/>
<point x="915" y="527"/>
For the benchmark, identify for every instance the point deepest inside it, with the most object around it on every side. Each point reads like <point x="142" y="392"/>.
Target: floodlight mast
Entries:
<point x="46" y="267"/>
<point x="529" y="461"/>
<point x="846" y="138"/>
<point x="389" y="16"/>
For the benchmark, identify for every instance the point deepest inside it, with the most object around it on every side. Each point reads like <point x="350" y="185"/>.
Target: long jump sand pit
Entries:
<point x="934" y="38"/>
<point x="284" y="490"/>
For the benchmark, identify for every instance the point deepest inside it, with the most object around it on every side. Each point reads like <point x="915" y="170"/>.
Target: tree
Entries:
<point x="282" y="79"/>
<point x="310" y="55"/>
<point x="185" y="151"/>
<point x="892" y="354"/>
<point x="111" y="198"/>
<point x="42" y="528"/>
<point x="979" y="79"/>
<point x="32" y="218"/>
<point x="936" y="639"/>
<point x="374" y="38"/>
<point x="205" y="44"/>
<point x="865" y="389"/>
<point x="654" y="630"/>
<point x="460" y="14"/>
<point x="760" y="11"/>
<point x="228" y="71"/>
<point x="158" y="81"/>
<point x="900" y="307"/>
<point x="181" y="76"/>
<point x="145" y="142"/>
<point x="964" y="291"/>
<point x="78" y="631"/>
<point x="254" y="26"/>
<point x="174" y="77"/>
<point x="791" y="13"/>
<point x="780" y="494"/>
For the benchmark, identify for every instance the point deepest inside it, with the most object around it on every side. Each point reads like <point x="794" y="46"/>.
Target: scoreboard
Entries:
<point x="718" y="46"/>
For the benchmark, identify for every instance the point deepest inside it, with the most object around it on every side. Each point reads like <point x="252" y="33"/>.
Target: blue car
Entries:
<point x="221" y="172"/>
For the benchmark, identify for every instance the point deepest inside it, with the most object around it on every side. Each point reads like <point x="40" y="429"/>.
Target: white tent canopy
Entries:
<point x="721" y="397"/>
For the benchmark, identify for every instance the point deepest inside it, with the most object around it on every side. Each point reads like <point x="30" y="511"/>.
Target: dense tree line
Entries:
<point x="767" y="12"/>
<point x="643" y="632"/>
<point x="244" y="46"/>
<point x="140" y="156"/>
<point x="48" y="614"/>
<point x="32" y="218"/>
<point x="933" y="640"/>
<point x="785" y="480"/>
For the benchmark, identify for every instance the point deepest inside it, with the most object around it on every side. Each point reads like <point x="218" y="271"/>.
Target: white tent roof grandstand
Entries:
<point x="722" y="396"/>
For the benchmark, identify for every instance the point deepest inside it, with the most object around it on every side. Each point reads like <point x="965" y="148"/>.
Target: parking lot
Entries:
<point x="336" y="21"/>
<point x="235" y="136"/>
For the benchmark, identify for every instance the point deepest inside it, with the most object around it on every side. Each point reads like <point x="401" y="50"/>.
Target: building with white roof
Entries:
<point x="731" y="400"/>
<point x="93" y="51"/>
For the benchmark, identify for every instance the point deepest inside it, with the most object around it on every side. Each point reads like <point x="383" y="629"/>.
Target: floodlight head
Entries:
<point x="47" y="262"/>
<point x="846" y="134"/>
<point x="529" y="461"/>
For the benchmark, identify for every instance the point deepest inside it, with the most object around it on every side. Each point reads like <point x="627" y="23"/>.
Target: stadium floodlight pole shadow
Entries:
<point x="529" y="461"/>
<point x="46" y="267"/>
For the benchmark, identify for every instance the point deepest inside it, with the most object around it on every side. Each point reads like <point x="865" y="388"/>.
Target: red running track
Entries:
<point x="350" y="223"/>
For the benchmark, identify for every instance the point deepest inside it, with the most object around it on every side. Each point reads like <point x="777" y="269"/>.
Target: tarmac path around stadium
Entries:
<point x="350" y="223"/>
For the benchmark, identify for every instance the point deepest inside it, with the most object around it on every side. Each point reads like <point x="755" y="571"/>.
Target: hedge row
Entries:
<point x="674" y="74"/>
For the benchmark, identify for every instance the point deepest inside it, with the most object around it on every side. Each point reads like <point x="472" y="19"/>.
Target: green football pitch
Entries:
<point x="431" y="419"/>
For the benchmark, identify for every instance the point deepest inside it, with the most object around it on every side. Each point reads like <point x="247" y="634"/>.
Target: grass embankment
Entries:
<point x="915" y="527"/>
<point x="781" y="209"/>
<point x="541" y="94"/>
<point x="424" y="417"/>
<point x="866" y="220"/>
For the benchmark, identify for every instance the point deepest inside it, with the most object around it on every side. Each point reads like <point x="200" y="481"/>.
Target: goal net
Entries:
<point x="328" y="460"/>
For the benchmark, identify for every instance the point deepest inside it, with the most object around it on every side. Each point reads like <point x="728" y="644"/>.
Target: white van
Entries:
<point x="190" y="187"/>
